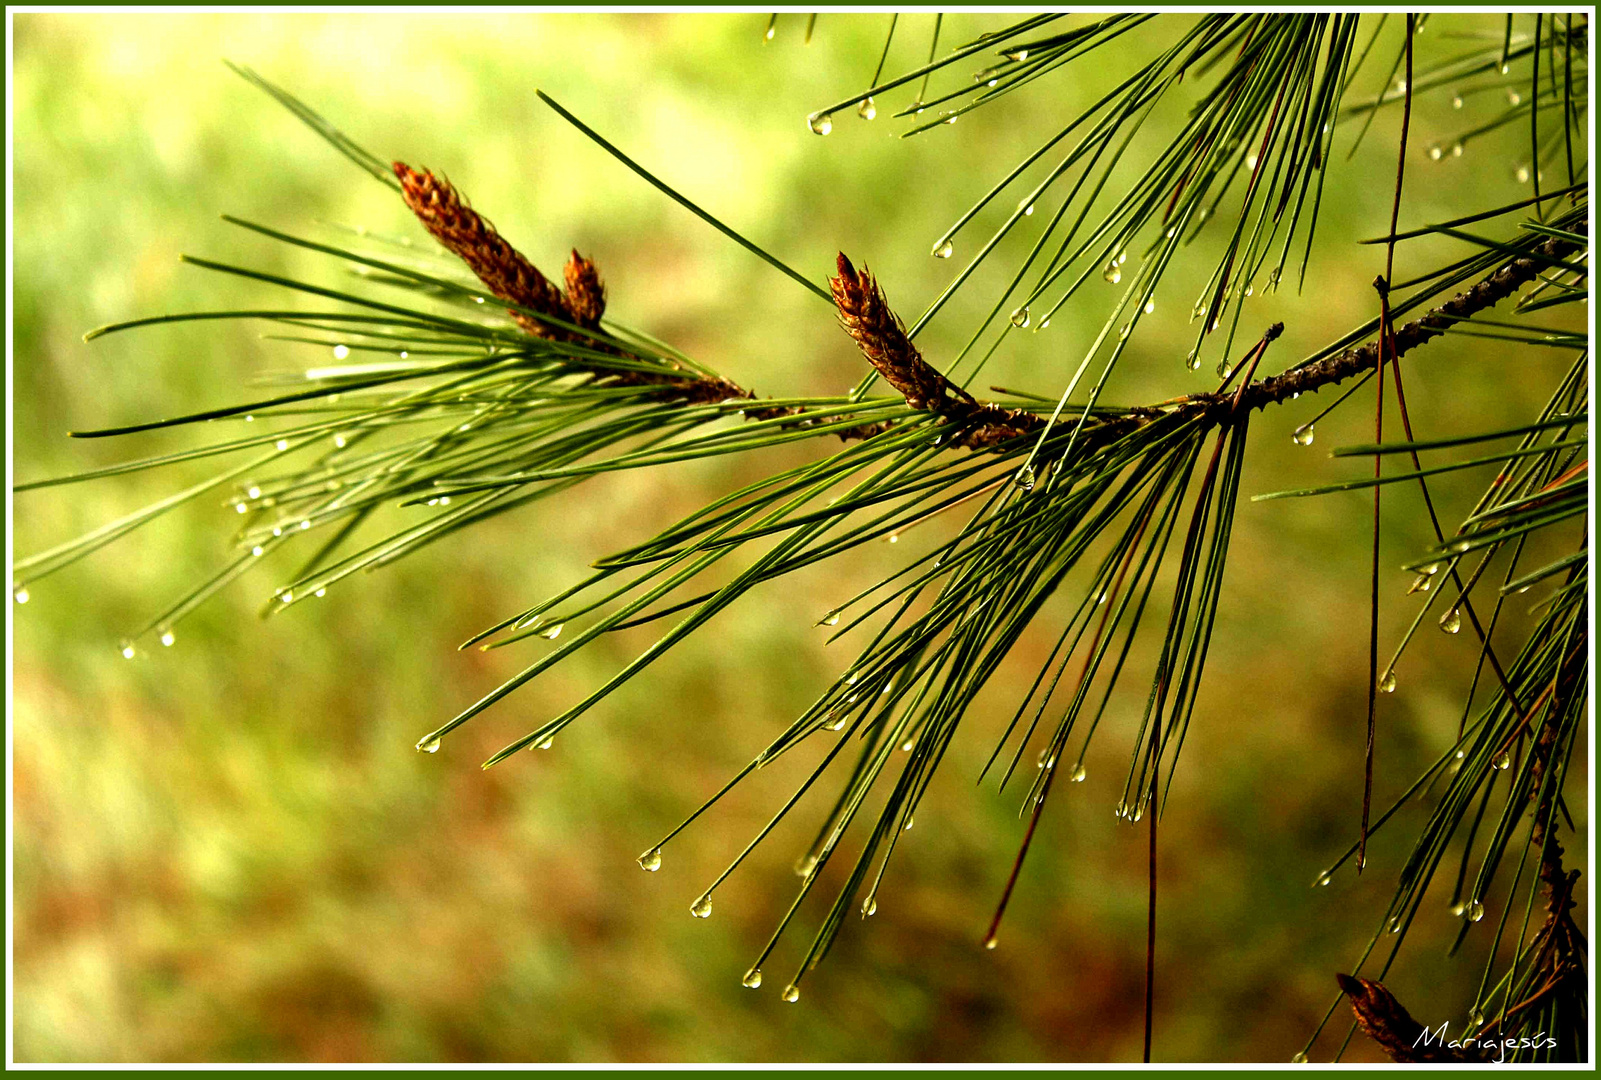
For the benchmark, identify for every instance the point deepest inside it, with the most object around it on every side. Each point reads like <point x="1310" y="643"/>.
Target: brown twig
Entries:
<point x="867" y="317"/>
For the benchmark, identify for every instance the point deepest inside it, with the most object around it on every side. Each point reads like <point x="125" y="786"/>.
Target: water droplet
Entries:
<point x="551" y="633"/>
<point x="1298" y="1059"/>
<point x="1475" y="911"/>
<point x="907" y="746"/>
<point x="478" y="299"/>
<point x="127" y="650"/>
<point x="820" y="123"/>
<point x="1514" y="98"/>
<point x="908" y="826"/>
<point x="1020" y="55"/>
<point x="791" y="993"/>
<point x="428" y="745"/>
<point x="1476" y="1016"/>
<point x="1121" y="811"/>
<point x="253" y="492"/>
<point x="546" y="743"/>
<point x="1387" y="684"/>
<point x="805" y="865"/>
<point x="1250" y="162"/>
<point x="869" y="906"/>
<point x="1303" y="435"/>
<point x="950" y="118"/>
<point x="943" y="249"/>
<point x="1028" y="211"/>
<point x="20" y="594"/>
<point x="339" y="441"/>
<point x="835" y="724"/>
<point x="1113" y="274"/>
<point x="1078" y="774"/>
<point x="990" y="942"/>
<point x="1193" y="360"/>
<point x="168" y="637"/>
<point x="894" y="538"/>
<point x="702" y="908"/>
<point x="1047" y="759"/>
<point x="1395" y="924"/>
<point x="1436" y="152"/>
<point x="1459" y="908"/>
<point x="1452" y="621"/>
<point x="1456" y="101"/>
<point x="1224" y="368"/>
<point x="257" y="550"/>
<point x="867" y="110"/>
<point x="282" y="444"/>
<point x="1503" y="761"/>
<point x="753" y="977"/>
<point x="250" y="419"/>
<point x="1043" y="324"/>
<point x="652" y="861"/>
<point x="1523" y="174"/>
<point x="1020" y="318"/>
<point x="1150" y="306"/>
<point x="831" y="619"/>
<point x="1025" y="478"/>
<point x="241" y="507"/>
<point x="320" y="593"/>
<point x="1456" y="149"/>
<point x="341" y="351"/>
<point x="1325" y="880"/>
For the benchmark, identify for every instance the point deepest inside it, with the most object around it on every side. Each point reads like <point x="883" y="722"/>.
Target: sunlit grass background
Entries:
<point x="230" y="850"/>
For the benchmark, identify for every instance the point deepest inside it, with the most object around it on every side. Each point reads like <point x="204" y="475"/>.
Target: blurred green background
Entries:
<point x="230" y="850"/>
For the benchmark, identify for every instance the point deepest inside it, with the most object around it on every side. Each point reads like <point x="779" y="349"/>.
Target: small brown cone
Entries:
<point x="586" y="295"/>
<point x="501" y="267"/>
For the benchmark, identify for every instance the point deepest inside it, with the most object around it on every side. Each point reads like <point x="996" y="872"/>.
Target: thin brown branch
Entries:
<point x="867" y="317"/>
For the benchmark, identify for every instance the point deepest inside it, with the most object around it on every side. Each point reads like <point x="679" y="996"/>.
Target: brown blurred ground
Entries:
<point x="230" y="851"/>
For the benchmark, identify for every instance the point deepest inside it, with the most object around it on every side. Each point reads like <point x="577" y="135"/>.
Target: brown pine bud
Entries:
<point x="865" y="313"/>
<point x="501" y="267"/>
<point x="1392" y="1027"/>
<point x="586" y="295"/>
